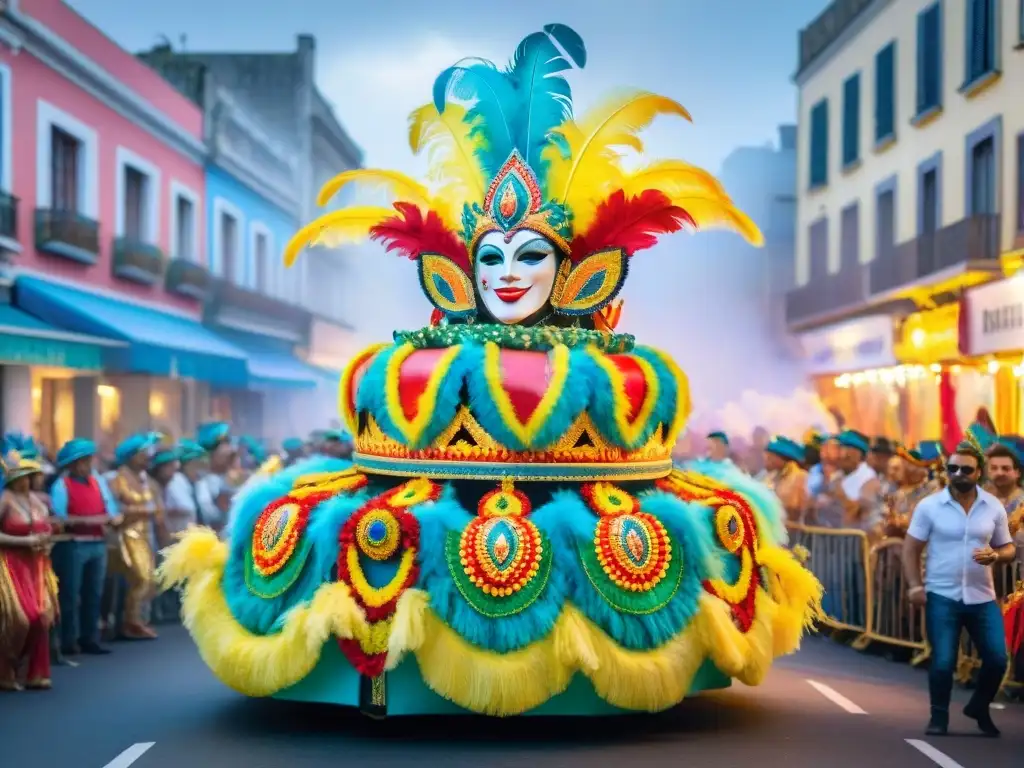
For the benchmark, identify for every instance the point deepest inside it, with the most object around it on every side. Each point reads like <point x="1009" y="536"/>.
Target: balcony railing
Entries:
<point x="137" y="261"/>
<point x="827" y="297"/>
<point x="67" y="234"/>
<point x="971" y="244"/>
<point x="8" y="217"/>
<point x="186" y="278"/>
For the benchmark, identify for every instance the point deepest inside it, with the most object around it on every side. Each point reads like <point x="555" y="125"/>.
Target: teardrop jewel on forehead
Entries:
<point x="514" y="194"/>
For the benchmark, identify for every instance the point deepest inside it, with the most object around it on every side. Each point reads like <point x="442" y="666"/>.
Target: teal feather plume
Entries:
<point x="261" y="615"/>
<point x="768" y="511"/>
<point x="516" y="109"/>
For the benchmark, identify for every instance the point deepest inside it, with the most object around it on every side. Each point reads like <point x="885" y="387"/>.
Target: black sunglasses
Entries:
<point x="960" y="469"/>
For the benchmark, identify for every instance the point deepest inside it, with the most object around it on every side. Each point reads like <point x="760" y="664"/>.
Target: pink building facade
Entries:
<point x="102" y="170"/>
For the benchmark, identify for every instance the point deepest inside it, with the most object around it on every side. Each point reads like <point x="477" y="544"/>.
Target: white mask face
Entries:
<point x="515" y="278"/>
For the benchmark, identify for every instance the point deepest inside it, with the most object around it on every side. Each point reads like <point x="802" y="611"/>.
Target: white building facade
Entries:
<point x="909" y="194"/>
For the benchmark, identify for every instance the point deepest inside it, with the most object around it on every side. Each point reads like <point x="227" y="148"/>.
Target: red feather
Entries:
<point x="412" y="234"/>
<point x="631" y="224"/>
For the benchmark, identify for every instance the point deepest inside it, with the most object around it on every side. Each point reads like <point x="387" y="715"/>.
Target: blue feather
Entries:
<point x="516" y="109"/>
<point x="544" y="99"/>
<point x="571" y="42"/>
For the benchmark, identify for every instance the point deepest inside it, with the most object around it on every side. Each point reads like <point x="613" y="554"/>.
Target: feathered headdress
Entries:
<point x="506" y="154"/>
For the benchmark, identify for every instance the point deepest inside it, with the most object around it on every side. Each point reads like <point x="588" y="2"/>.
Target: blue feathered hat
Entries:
<point x="213" y="433"/>
<point x="141" y="441"/>
<point x="25" y="445"/>
<point x="190" y="450"/>
<point x="255" y="449"/>
<point x="931" y="451"/>
<point x="340" y="435"/>
<point x="786" y="448"/>
<point x="164" y="456"/>
<point x="850" y="438"/>
<point x="292" y="444"/>
<point x="980" y="437"/>
<point x="73" y="450"/>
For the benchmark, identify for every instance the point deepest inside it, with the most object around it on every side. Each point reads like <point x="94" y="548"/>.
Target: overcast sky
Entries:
<point x="728" y="61"/>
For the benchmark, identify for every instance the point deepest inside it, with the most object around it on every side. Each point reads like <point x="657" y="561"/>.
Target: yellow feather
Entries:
<point x="711" y="211"/>
<point x="348" y="225"/>
<point x="451" y="151"/>
<point x="398" y="185"/>
<point x="592" y="159"/>
<point x="673" y="177"/>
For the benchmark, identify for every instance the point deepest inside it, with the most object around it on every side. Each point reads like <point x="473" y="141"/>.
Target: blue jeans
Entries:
<point x="945" y="620"/>
<point x="81" y="567"/>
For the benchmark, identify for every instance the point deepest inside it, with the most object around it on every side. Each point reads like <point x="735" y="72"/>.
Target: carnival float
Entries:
<point x="511" y="536"/>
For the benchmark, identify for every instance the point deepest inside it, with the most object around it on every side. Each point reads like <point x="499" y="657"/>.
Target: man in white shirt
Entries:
<point x="185" y="495"/>
<point x="965" y="531"/>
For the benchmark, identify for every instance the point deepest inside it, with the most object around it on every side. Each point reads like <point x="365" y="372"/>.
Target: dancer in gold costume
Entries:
<point x="139" y="502"/>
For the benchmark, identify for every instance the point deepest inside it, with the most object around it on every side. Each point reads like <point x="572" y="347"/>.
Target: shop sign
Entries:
<point x="994" y="318"/>
<point x="857" y="345"/>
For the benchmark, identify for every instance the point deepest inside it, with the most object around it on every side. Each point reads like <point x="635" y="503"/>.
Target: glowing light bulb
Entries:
<point x="993" y="367"/>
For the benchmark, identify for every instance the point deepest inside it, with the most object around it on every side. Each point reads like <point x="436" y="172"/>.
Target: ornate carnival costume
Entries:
<point x="28" y="587"/>
<point x="512" y="536"/>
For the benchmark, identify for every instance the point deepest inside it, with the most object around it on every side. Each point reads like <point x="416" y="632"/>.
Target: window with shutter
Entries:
<point x="849" y="237"/>
<point x="851" y="120"/>
<point x="1020" y="21"/>
<point x="819" y="145"/>
<point x="929" y="59"/>
<point x="885" y="223"/>
<point x="817" y="237"/>
<point x="885" y="93"/>
<point x="980" y="45"/>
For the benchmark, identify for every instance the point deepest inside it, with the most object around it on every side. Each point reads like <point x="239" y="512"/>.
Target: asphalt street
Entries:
<point x="155" y="705"/>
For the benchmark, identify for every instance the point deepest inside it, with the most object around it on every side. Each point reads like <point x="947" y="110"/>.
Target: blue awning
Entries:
<point x="157" y="343"/>
<point x="272" y="364"/>
<point x="27" y="340"/>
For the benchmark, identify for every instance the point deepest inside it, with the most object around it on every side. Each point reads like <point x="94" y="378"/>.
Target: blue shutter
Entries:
<point x="929" y="58"/>
<point x="819" y="145"/>
<point x="885" y="92"/>
<point x="851" y="120"/>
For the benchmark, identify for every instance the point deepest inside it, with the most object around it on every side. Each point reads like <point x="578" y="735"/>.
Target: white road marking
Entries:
<point x="130" y="755"/>
<point x="939" y="758"/>
<point x="836" y="698"/>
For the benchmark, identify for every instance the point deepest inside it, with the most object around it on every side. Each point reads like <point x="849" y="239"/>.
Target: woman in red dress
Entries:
<point x="28" y="587"/>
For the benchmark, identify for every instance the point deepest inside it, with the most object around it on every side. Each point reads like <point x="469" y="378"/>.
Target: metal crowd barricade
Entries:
<point x="839" y="558"/>
<point x="894" y="620"/>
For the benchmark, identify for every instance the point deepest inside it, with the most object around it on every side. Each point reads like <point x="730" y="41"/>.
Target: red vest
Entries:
<point x="85" y="500"/>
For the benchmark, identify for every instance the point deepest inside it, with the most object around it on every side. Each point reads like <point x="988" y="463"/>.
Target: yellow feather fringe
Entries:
<point x="254" y="665"/>
<point x="747" y="656"/>
<point x="479" y="680"/>
<point x="797" y="594"/>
